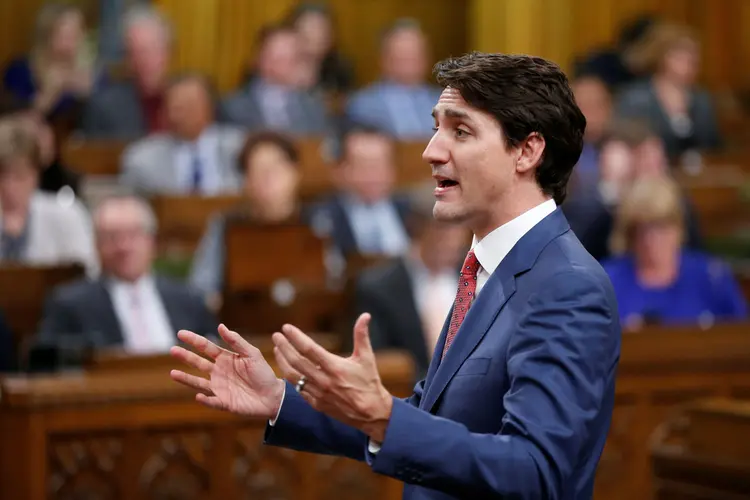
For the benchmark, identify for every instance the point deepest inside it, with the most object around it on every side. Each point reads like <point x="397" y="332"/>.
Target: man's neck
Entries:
<point x="507" y="212"/>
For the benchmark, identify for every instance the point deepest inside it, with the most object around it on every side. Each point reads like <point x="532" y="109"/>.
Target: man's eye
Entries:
<point x="461" y="133"/>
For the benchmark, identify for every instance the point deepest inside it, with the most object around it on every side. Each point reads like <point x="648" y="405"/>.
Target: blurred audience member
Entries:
<point x="195" y="155"/>
<point x="630" y="151"/>
<point x="329" y="70"/>
<point x="133" y="108"/>
<point x="54" y="175"/>
<point x="128" y="306"/>
<point x="401" y="102"/>
<point x="681" y="113"/>
<point x="274" y="98"/>
<point x="269" y="162"/>
<point x="364" y="217"/>
<point x="595" y="101"/>
<point x="410" y="298"/>
<point x="36" y="227"/>
<point x="612" y="65"/>
<point x="655" y="278"/>
<point x="58" y="74"/>
<point x="7" y="348"/>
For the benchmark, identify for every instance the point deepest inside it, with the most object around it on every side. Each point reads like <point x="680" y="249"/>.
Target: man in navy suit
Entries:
<point x="518" y="397"/>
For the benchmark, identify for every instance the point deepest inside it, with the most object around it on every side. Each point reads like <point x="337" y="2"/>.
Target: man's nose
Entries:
<point x="436" y="152"/>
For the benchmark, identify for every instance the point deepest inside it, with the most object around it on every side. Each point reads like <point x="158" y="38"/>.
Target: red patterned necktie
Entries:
<point x="467" y="288"/>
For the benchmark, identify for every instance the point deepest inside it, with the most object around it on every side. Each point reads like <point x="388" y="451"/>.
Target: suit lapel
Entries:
<point x="412" y="321"/>
<point x="489" y="303"/>
<point x="482" y="313"/>
<point x="111" y="332"/>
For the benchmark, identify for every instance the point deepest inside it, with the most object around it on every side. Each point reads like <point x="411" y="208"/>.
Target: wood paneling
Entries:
<point x="218" y="36"/>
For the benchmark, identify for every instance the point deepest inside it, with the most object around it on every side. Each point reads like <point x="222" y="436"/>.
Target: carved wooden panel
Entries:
<point x="346" y="479"/>
<point x="84" y="467"/>
<point x="264" y="471"/>
<point x="177" y="466"/>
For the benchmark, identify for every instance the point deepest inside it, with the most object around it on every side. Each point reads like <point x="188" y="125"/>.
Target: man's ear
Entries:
<point x="530" y="152"/>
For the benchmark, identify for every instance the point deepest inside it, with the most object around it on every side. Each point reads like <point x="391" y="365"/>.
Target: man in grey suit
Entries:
<point x="133" y="108"/>
<point x="195" y="155"/>
<point x="273" y="98"/>
<point x="128" y="306"/>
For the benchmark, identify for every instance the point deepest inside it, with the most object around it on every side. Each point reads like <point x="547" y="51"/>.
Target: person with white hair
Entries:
<point x="129" y="306"/>
<point x="132" y="108"/>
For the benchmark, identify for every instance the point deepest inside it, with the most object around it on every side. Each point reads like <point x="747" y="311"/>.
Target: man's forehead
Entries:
<point x="451" y="97"/>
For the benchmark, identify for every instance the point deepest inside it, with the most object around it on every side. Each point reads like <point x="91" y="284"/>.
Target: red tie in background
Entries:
<point x="467" y="289"/>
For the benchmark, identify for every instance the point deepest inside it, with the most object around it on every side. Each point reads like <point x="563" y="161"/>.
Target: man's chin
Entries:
<point x="445" y="211"/>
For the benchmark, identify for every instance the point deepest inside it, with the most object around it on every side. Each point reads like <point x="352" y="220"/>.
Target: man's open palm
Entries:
<point x="240" y="381"/>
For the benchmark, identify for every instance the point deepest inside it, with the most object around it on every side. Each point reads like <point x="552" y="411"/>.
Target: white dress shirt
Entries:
<point x="143" y="319"/>
<point x="377" y="227"/>
<point x="490" y="252"/>
<point x="434" y="294"/>
<point x="206" y="147"/>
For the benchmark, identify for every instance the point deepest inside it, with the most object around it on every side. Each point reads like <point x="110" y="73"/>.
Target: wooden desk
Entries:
<point x="139" y="435"/>
<point x="183" y="219"/>
<point x="704" y="452"/>
<point x="23" y="291"/>
<point x="717" y="195"/>
<point x="95" y="158"/>
<point x="661" y="371"/>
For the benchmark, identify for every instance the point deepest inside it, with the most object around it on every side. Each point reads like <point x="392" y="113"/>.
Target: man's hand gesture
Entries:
<point x="241" y="382"/>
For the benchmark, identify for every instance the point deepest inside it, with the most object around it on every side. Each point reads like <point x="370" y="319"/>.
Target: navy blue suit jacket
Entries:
<point x="521" y="404"/>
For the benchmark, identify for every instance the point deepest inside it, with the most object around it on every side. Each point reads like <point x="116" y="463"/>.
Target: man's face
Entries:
<point x="279" y="60"/>
<point x="473" y="167"/>
<point x="189" y="109"/>
<point x="148" y="54"/>
<point x="18" y="181"/>
<point x="369" y="168"/>
<point x="405" y="57"/>
<point x="126" y="248"/>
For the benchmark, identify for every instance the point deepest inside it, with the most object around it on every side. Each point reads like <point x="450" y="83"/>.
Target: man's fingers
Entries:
<point x="235" y="341"/>
<point x="211" y="401"/>
<point x="201" y="343"/>
<point x="287" y="371"/>
<point x="307" y="347"/>
<point x="295" y="361"/>
<point x="362" y="345"/>
<point x="192" y="359"/>
<point x="200" y="384"/>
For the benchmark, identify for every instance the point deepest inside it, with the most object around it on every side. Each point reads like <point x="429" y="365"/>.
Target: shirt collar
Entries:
<point x="493" y="248"/>
<point x="141" y="283"/>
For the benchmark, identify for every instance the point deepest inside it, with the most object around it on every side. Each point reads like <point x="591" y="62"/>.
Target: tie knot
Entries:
<point x="471" y="265"/>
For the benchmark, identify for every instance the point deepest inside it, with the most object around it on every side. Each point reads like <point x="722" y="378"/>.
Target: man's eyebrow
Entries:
<point x="452" y="113"/>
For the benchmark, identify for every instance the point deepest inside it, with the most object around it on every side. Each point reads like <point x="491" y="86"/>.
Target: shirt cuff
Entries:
<point x="373" y="447"/>
<point x="273" y="421"/>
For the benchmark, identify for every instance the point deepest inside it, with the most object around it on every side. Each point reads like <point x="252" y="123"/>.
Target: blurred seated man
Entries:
<point x="195" y="156"/>
<point x="133" y="108"/>
<point x="656" y="279"/>
<point x="37" y="228"/>
<point x="274" y="98"/>
<point x="364" y="217"/>
<point x="401" y="102"/>
<point x="128" y="306"/>
<point x="7" y="348"/>
<point x="630" y="151"/>
<point x="270" y="164"/>
<point x="595" y="101"/>
<point x="411" y="297"/>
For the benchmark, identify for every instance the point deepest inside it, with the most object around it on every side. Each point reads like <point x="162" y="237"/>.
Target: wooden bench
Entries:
<point x="23" y="291"/>
<point x="135" y="434"/>
<point x="92" y="158"/>
<point x="704" y="452"/>
<point x="662" y="370"/>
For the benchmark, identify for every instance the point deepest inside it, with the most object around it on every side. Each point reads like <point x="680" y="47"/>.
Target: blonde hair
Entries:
<point x="47" y="21"/>
<point x="648" y="54"/>
<point x="648" y="200"/>
<point x="16" y="141"/>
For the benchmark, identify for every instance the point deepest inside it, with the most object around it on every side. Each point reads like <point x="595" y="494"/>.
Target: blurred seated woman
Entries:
<point x="269" y="163"/>
<point x="37" y="228"/>
<point x="656" y="279"/>
<point x="58" y="74"/>
<point x="681" y="112"/>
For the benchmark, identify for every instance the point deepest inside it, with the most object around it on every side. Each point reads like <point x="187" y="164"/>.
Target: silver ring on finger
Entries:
<point x="300" y="384"/>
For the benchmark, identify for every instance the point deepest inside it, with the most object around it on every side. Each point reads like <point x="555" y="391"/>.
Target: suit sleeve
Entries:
<point x="561" y="363"/>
